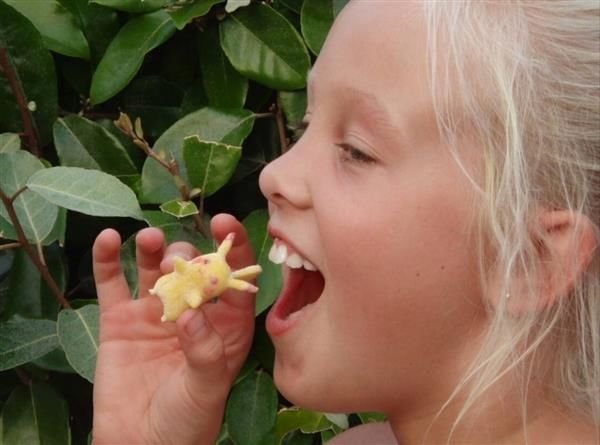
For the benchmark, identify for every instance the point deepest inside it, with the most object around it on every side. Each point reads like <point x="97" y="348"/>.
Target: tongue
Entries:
<point x="307" y="290"/>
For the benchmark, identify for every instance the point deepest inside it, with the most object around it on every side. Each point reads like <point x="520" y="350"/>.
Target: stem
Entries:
<point x="124" y="124"/>
<point x="185" y="192"/>
<point x="39" y="264"/>
<point x="280" y="119"/>
<point x="11" y="76"/>
<point x="263" y="115"/>
<point x="17" y="193"/>
<point x="9" y="246"/>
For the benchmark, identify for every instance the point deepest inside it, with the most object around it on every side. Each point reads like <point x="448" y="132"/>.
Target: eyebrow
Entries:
<point x="378" y="116"/>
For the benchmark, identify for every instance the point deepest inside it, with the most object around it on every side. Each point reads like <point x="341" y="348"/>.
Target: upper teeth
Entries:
<point x="279" y="254"/>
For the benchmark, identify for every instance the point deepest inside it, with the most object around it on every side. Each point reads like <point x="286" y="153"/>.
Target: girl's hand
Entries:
<point x="165" y="382"/>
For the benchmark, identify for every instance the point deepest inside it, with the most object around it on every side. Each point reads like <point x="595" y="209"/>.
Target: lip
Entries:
<point x="276" y="323"/>
<point x="277" y="234"/>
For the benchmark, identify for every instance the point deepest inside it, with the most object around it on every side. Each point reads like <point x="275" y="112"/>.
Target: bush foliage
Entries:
<point x="126" y="114"/>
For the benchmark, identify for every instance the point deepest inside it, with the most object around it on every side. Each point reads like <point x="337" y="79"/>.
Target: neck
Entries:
<point x="498" y="418"/>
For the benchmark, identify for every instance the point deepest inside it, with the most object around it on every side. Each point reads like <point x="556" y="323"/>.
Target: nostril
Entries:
<point x="283" y="181"/>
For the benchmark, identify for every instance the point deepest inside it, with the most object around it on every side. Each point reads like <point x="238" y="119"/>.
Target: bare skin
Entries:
<point x="165" y="382"/>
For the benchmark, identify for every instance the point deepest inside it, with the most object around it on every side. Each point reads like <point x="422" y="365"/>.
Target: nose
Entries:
<point x="285" y="181"/>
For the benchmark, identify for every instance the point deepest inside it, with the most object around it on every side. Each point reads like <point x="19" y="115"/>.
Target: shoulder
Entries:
<point x="371" y="433"/>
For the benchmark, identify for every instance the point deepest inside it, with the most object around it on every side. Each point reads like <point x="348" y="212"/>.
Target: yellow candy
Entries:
<point x="194" y="282"/>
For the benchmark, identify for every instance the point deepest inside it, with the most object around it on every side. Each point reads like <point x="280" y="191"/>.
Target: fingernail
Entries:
<point x="195" y="325"/>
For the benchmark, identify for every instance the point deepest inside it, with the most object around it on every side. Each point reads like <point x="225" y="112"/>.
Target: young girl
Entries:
<point x="447" y="190"/>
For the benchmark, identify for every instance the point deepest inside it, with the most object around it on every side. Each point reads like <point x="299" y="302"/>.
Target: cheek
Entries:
<point x="413" y="265"/>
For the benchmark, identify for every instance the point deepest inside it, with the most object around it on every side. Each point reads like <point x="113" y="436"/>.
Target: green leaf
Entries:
<point x="232" y="5"/>
<point x="297" y="437"/>
<point x="87" y="191"/>
<point x="36" y="215"/>
<point x="125" y="54"/>
<point x="155" y="101"/>
<point x="338" y="419"/>
<point x="35" y="415"/>
<point x="294" y="106"/>
<point x="9" y="142"/>
<point x="55" y="360"/>
<point x="56" y="24"/>
<point x="228" y="127"/>
<point x="182" y="15"/>
<point x="135" y="6"/>
<point x="252" y="410"/>
<point x="78" y="336"/>
<point x="179" y="209"/>
<point x="24" y="340"/>
<point x="248" y="367"/>
<point x="35" y="72"/>
<point x="316" y="19"/>
<point x="224" y="86"/>
<point x="209" y="164"/>
<point x="295" y="418"/>
<point x="194" y="97"/>
<point x="99" y="24"/>
<point x="29" y="295"/>
<point x="264" y="46"/>
<point x="269" y="282"/>
<point x="59" y="231"/>
<point x="82" y="143"/>
<point x="369" y="417"/>
<point x="294" y="5"/>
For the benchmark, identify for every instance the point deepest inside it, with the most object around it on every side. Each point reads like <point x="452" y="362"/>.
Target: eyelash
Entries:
<point x="349" y="153"/>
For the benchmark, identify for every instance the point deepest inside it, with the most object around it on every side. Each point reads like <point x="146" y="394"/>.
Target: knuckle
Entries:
<point x="212" y="350"/>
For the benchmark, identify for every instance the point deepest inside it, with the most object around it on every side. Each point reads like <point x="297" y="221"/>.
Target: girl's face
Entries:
<point x="371" y="197"/>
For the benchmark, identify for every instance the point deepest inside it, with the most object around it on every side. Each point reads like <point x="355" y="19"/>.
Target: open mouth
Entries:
<point x="303" y="284"/>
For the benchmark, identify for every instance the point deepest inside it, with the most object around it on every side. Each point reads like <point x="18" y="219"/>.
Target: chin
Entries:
<point x="317" y="391"/>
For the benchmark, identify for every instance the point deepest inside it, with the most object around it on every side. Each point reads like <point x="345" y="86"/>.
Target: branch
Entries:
<point x="280" y="119"/>
<point x="137" y="135"/>
<point x="39" y="264"/>
<point x="28" y="124"/>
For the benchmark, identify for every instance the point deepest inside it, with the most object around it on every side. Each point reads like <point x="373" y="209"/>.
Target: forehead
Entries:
<point x="378" y="48"/>
<point x="376" y="37"/>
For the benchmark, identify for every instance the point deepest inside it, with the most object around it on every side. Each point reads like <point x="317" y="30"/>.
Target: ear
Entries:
<point x="567" y="242"/>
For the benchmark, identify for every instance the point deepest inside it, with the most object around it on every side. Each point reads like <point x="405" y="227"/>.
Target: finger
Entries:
<point x="241" y="253"/>
<point x="149" y="254"/>
<point x="179" y="249"/>
<point x="111" y="285"/>
<point x="204" y="351"/>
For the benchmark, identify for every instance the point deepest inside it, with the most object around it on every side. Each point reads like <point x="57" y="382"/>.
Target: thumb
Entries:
<point x="205" y="356"/>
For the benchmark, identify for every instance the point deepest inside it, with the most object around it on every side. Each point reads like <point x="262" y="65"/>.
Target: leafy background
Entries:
<point x="127" y="114"/>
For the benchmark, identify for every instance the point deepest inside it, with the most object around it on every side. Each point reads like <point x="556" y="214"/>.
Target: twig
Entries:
<point x="17" y="193"/>
<point x="9" y="246"/>
<point x="30" y="129"/>
<point x="263" y="115"/>
<point x="280" y="119"/>
<point x="39" y="264"/>
<point x="137" y="135"/>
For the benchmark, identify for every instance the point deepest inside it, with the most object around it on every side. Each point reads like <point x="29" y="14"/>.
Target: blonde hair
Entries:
<point x="524" y="78"/>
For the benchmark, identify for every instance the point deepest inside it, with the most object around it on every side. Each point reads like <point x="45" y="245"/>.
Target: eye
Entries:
<point x="352" y="154"/>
